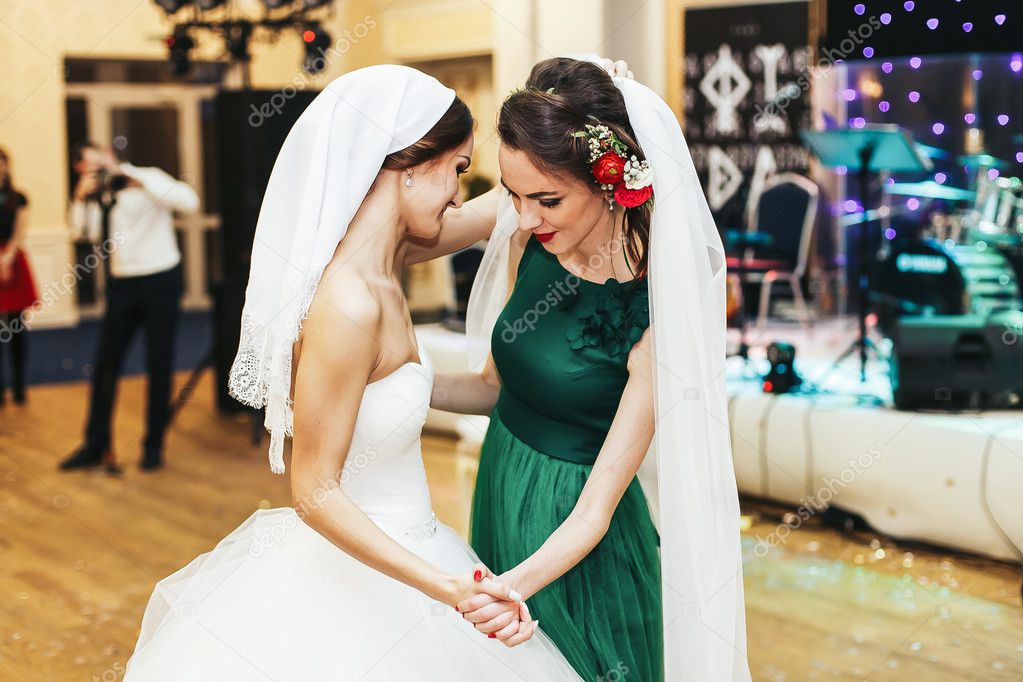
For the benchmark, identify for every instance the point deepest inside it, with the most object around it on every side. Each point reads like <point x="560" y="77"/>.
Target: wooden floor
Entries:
<point x="80" y="553"/>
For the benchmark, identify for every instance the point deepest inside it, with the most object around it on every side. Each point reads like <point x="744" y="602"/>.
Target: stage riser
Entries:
<point x="910" y="475"/>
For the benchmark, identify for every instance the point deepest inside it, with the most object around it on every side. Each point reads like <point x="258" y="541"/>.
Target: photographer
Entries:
<point x="144" y="287"/>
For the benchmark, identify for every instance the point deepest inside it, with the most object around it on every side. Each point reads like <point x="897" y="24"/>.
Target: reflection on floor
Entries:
<point x="80" y="553"/>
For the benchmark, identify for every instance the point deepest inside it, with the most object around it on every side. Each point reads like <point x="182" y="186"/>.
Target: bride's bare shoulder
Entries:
<point x="344" y="303"/>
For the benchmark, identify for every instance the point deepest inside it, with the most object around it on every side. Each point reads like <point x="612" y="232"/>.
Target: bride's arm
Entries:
<point x="329" y="387"/>
<point x="460" y="227"/>
<point x="623" y="451"/>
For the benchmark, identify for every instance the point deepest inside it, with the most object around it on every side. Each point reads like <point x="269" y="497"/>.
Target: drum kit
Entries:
<point x="990" y="211"/>
<point x="975" y="234"/>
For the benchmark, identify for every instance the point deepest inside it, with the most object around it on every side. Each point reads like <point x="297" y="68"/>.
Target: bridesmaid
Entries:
<point x="558" y="512"/>
<point x="17" y="289"/>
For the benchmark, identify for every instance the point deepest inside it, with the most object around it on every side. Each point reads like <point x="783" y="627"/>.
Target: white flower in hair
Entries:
<point x="638" y="175"/>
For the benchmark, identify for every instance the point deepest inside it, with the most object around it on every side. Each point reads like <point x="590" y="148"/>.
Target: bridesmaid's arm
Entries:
<point x="623" y="451"/>
<point x="467" y="393"/>
<point x="476" y="392"/>
<point x="460" y="227"/>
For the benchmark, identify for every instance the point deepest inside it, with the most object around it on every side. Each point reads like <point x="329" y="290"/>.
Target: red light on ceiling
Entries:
<point x="308" y="36"/>
<point x="768" y="386"/>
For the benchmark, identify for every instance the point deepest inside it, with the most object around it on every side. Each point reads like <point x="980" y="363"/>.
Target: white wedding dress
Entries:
<point x="275" y="600"/>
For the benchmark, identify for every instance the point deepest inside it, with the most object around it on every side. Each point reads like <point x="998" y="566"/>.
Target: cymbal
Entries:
<point x="930" y="190"/>
<point x="932" y="152"/>
<point x="981" y="161"/>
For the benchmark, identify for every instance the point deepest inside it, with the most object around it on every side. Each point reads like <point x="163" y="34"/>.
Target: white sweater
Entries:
<point x="141" y="222"/>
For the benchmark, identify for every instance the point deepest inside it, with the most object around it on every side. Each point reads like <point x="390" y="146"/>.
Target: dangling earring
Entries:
<point x="408" y="180"/>
<point x="611" y="203"/>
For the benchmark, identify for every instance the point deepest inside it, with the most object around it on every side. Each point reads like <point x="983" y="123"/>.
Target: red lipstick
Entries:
<point x="544" y="237"/>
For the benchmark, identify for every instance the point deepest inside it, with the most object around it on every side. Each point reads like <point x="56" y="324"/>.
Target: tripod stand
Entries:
<point x="867" y="151"/>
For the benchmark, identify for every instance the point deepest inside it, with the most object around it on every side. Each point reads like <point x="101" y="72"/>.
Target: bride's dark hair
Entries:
<point x="453" y="128"/>
<point x="561" y="97"/>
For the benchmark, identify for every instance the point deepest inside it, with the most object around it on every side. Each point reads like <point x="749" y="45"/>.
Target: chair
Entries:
<point x="786" y="210"/>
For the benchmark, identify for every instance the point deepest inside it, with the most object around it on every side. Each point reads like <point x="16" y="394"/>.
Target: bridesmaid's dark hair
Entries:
<point x="453" y="128"/>
<point x="7" y="186"/>
<point x="561" y="97"/>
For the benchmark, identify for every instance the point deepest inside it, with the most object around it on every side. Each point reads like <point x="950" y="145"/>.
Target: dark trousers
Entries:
<point x="152" y="302"/>
<point x="12" y="340"/>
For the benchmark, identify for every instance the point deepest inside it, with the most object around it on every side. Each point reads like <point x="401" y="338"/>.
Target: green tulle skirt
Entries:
<point x="605" y="613"/>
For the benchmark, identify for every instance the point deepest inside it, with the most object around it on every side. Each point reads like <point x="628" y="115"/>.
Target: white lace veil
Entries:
<point x="688" y="476"/>
<point x="320" y="178"/>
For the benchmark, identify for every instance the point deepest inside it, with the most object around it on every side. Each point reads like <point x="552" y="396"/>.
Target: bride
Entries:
<point x="357" y="581"/>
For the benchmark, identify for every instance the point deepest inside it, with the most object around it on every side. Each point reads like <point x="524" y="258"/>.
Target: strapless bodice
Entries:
<point x="384" y="472"/>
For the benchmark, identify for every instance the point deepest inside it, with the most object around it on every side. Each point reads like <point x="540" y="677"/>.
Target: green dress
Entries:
<point x="560" y="346"/>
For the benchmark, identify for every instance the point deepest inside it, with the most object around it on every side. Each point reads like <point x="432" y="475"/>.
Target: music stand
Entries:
<point x="871" y="149"/>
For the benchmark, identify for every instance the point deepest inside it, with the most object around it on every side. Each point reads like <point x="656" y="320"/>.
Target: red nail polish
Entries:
<point x="478" y="575"/>
<point x="492" y="635"/>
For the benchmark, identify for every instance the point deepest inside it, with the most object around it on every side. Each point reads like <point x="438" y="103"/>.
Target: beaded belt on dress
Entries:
<point x="422" y="531"/>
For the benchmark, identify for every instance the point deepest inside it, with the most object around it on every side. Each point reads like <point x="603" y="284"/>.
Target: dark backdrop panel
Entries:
<point x="250" y="129"/>
<point x="746" y="98"/>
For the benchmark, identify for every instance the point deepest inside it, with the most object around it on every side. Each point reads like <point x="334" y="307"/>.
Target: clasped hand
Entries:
<point x="496" y="610"/>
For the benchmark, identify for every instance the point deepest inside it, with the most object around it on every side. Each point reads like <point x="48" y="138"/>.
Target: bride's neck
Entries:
<point x="371" y="242"/>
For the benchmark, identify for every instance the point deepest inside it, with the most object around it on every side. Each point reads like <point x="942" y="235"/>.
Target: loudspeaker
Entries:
<point x="251" y="127"/>
<point x="952" y="362"/>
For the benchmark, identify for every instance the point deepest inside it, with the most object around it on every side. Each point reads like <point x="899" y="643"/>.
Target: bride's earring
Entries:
<point x="408" y="180"/>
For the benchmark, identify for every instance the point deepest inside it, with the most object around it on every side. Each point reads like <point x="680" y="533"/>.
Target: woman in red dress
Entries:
<point x="17" y="290"/>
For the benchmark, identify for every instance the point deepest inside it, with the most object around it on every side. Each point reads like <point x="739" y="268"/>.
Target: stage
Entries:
<point x="952" y="479"/>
